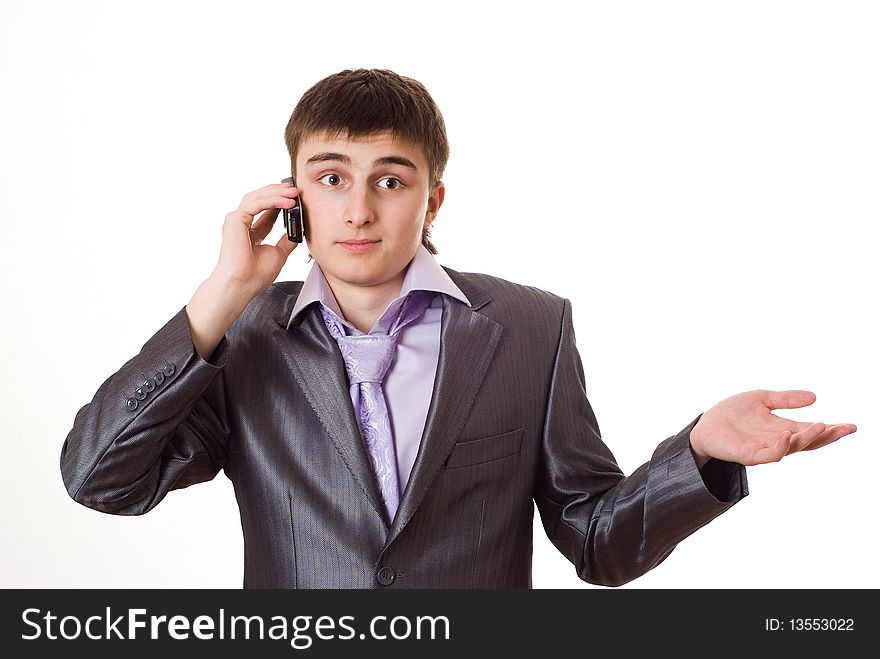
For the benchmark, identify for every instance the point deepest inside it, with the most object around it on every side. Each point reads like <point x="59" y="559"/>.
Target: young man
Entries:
<point x="389" y="422"/>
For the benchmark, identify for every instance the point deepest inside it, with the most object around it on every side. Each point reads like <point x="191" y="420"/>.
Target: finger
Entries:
<point x="791" y="424"/>
<point x="831" y="434"/>
<point x="800" y="440"/>
<point x="790" y="399"/>
<point x="263" y="225"/>
<point x="284" y="189"/>
<point x="794" y="426"/>
<point x="773" y="451"/>
<point x="252" y="205"/>
<point x="286" y="245"/>
<point x="274" y="187"/>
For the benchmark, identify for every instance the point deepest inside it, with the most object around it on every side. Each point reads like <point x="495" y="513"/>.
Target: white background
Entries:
<point x="699" y="178"/>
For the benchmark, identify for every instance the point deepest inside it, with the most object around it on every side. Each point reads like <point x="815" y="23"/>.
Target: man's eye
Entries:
<point x="330" y="179"/>
<point x="390" y="183"/>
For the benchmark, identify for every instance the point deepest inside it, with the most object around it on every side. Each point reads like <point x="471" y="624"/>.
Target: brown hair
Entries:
<point x="361" y="102"/>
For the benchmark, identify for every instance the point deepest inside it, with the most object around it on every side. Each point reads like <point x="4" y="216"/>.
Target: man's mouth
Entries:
<point x="359" y="245"/>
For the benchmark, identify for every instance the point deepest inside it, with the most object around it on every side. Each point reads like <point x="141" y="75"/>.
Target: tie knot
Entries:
<point x="367" y="356"/>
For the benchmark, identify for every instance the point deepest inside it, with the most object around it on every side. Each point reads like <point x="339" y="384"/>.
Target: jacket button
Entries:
<point x="139" y="393"/>
<point x="168" y="369"/>
<point x="159" y="378"/>
<point x="148" y="385"/>
<point x="385" y="576"/>
<point x="131" y="404"/>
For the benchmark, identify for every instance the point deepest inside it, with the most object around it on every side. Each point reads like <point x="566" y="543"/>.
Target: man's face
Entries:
<point x="371" y="188"/>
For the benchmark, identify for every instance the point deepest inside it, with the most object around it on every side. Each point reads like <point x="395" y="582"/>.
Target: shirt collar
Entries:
<point x="423" y="274"/>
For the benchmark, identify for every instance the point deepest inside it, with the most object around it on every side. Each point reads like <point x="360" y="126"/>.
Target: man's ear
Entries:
<point x="435" y="200"/>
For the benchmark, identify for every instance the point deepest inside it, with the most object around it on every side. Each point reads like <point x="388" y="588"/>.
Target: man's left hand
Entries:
<point x="743" y="429"/>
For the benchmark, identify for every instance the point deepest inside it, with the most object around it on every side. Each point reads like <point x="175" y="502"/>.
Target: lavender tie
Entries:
<point x="367" y="358"/>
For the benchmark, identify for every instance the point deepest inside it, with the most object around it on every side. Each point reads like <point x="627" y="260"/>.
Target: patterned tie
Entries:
<point x="367" y="358"/>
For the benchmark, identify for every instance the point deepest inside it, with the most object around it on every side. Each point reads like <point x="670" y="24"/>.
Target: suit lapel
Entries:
<point x="314" y="358"/>
<point x="467" y="343"/>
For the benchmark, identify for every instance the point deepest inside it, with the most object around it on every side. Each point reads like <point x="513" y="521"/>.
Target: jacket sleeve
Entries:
<point x="615" y="528"/>
<point x="159" y="423"/>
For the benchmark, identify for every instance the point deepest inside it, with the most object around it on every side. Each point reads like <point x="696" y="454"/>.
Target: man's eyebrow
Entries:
<point x="329" y="155"/>
<point x="326" y="156"/>
<point x="395" y="160"/>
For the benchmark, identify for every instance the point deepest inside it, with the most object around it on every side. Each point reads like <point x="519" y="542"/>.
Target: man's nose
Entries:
<point x="359" y="210"/>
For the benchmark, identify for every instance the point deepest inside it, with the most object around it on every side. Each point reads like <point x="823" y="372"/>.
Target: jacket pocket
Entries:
<point x="485" y="449"/>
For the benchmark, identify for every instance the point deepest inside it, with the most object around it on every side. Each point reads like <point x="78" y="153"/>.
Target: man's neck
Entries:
<point x="362" y="305"/>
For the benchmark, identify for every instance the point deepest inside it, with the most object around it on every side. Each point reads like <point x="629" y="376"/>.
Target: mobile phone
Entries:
<point x="294" y="217"/>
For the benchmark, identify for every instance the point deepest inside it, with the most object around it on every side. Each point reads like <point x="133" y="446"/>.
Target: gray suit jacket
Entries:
<point x="509" y="424"/>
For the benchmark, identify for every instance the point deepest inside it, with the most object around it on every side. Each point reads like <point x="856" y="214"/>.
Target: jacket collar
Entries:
<point x="423" y="273"/>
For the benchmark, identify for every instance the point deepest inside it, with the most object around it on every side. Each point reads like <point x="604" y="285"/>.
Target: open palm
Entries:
<point x="743" y="428"/>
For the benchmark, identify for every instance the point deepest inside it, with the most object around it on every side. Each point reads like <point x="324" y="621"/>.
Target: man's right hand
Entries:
<point x="245" y="267"/>
<point x="245" y="263"/>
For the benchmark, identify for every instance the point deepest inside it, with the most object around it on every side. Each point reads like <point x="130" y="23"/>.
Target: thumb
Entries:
<point x="286" y="245"/>
<point x="790" y="399"/>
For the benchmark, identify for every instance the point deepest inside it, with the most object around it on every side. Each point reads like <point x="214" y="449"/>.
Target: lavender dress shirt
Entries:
<point x="409" y="382"/>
